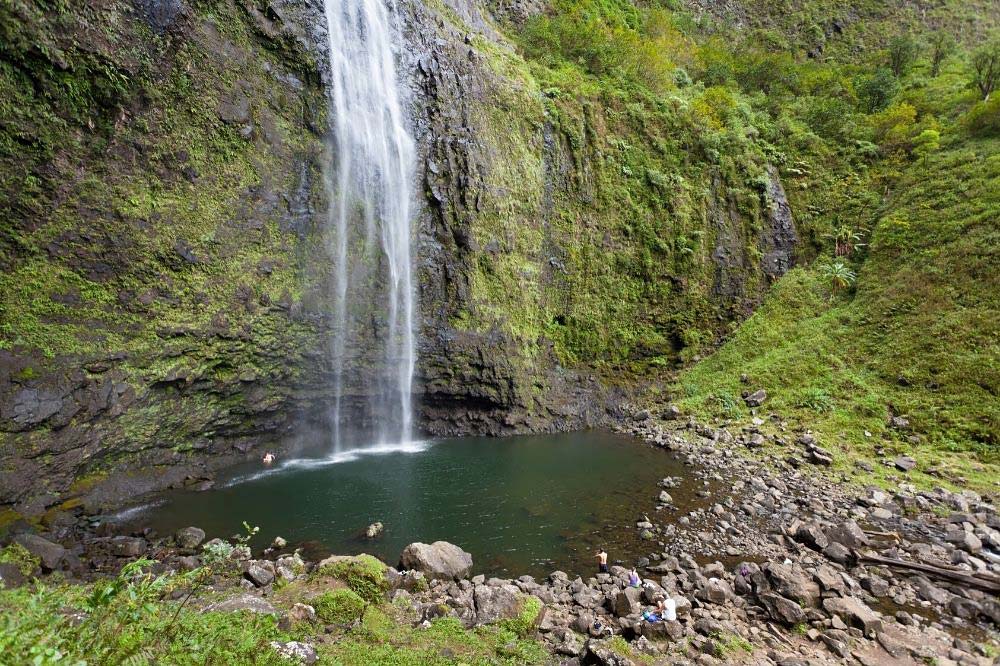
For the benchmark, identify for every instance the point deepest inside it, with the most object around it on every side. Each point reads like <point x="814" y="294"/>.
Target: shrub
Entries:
<point x="19" y="556"/>
<point x="875" y="92"/>
<point x="838" y="275"/>
<point x="524" y="623"/>
<point x="338" y="606"/>
<point x="815" y="399"/>
<point x="983" y="119"/>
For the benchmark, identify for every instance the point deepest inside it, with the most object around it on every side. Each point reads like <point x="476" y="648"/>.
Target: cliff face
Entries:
<point x="165" y="273"/>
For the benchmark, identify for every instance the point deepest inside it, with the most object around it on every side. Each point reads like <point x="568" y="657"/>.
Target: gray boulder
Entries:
<point x="241" y="602"/>
<point x="495" y="603"/>
<point x="301" y="653"/>
<point x="782" y="609"/>
<point x="627" y="602"/>
<point x="854" y="612"/>
<point x="847" y="533"/>
<point x="789" y="580"/>
<point x="189" y="537"/>
<point x="812" y="535"/>
<point x="440" y="560"/>
<point x="261" y="574"/>
<point x="52" y="555"/>
<point x="11" y="576"/>
<point x="756" y="399"/>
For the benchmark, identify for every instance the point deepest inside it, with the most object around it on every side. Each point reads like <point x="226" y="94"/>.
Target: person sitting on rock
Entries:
<point x="268" y="458"/>
<point x="633" y="578"/>
<point x="602" y="561"/>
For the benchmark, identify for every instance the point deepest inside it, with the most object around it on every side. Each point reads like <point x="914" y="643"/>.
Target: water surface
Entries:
<point x="520" y="505"/>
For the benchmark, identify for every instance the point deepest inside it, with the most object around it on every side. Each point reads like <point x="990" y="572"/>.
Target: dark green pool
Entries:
<point x="519" y="505"/>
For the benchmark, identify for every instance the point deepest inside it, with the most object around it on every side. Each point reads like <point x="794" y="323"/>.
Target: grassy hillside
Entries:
<point x="902" y="191"/>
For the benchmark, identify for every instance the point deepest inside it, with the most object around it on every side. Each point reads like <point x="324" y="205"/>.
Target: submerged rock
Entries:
<point x="374" y="530"/>
<point x="436" y="560"/>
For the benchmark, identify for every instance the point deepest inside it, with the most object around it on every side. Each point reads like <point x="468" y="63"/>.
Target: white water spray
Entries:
<point x="370" y="197"/>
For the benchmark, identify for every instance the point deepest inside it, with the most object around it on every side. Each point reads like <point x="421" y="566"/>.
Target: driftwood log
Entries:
<point x="989" y="584"/>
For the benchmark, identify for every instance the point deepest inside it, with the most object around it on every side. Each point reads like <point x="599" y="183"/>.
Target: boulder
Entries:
<point x="661" y="631"/>
<point x="828" y="578"/>
<point x="756" y="399"/>
<point x="905" y="463"/>
<point x="627" y="602"/>
<point x="713" y="591"/>
<point x="847" y="533"/>
<point x="782" y="609"/>
<point x="854" y="612"/>
<point x="241" y="602"/>
<point x="301" y="653"/>
<point x="838" y="553"/>
<point x="11" y="576"/>
<point x="440" y="560"/>
<point x="124" y="546"/>
<point x="602" y="653"/>
<point x="259" y="574"/>
<point x="374" y="530"/>
<point x="52" y="555"/>
<point x="496" y="603"/>
<point x="302" y="613"/>
<point x="189" y="537"/>
<point x="812" y="535"/>
<point x="789" y="580"/>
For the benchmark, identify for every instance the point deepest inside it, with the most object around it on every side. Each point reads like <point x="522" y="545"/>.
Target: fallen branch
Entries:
<point x="956" y="576"/>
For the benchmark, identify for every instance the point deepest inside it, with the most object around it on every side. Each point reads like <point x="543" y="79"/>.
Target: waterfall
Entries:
<point x="369" y="191"/>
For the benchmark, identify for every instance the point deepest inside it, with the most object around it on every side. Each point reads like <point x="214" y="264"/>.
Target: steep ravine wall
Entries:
<point x="165" y="274"/>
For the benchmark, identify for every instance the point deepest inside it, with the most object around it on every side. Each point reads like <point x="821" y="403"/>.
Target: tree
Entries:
<point x="986" y="67"/>
<point x="942" y="44"/>
<point x="877" y="90"/>
<point x="902" y="52"/>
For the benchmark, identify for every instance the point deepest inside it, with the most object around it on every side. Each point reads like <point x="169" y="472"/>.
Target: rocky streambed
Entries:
<point x="778" y="564"/>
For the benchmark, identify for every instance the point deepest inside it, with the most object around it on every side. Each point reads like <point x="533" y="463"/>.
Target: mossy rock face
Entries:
<point x="159" y="245"/>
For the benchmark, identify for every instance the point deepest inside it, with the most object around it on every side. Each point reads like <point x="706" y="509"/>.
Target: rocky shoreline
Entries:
<point x="781" y="565"/>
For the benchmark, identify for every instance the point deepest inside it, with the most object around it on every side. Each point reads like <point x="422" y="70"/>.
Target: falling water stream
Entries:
<point x="369" y="189"/>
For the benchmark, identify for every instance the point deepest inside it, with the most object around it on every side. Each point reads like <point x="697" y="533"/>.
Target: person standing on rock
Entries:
<point x="602" y="561"/>
<point x="268" y="458"/>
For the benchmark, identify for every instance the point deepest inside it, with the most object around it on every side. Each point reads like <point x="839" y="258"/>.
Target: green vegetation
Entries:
<point x="132" y="619"/>
<point x="887" y="153"/>
<point x="729" y="645"/>
<point x="126" y="620"/>
<point x="339" y="606"/>
<point x="364" y="574"/>
<point x="19" y="556"/>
